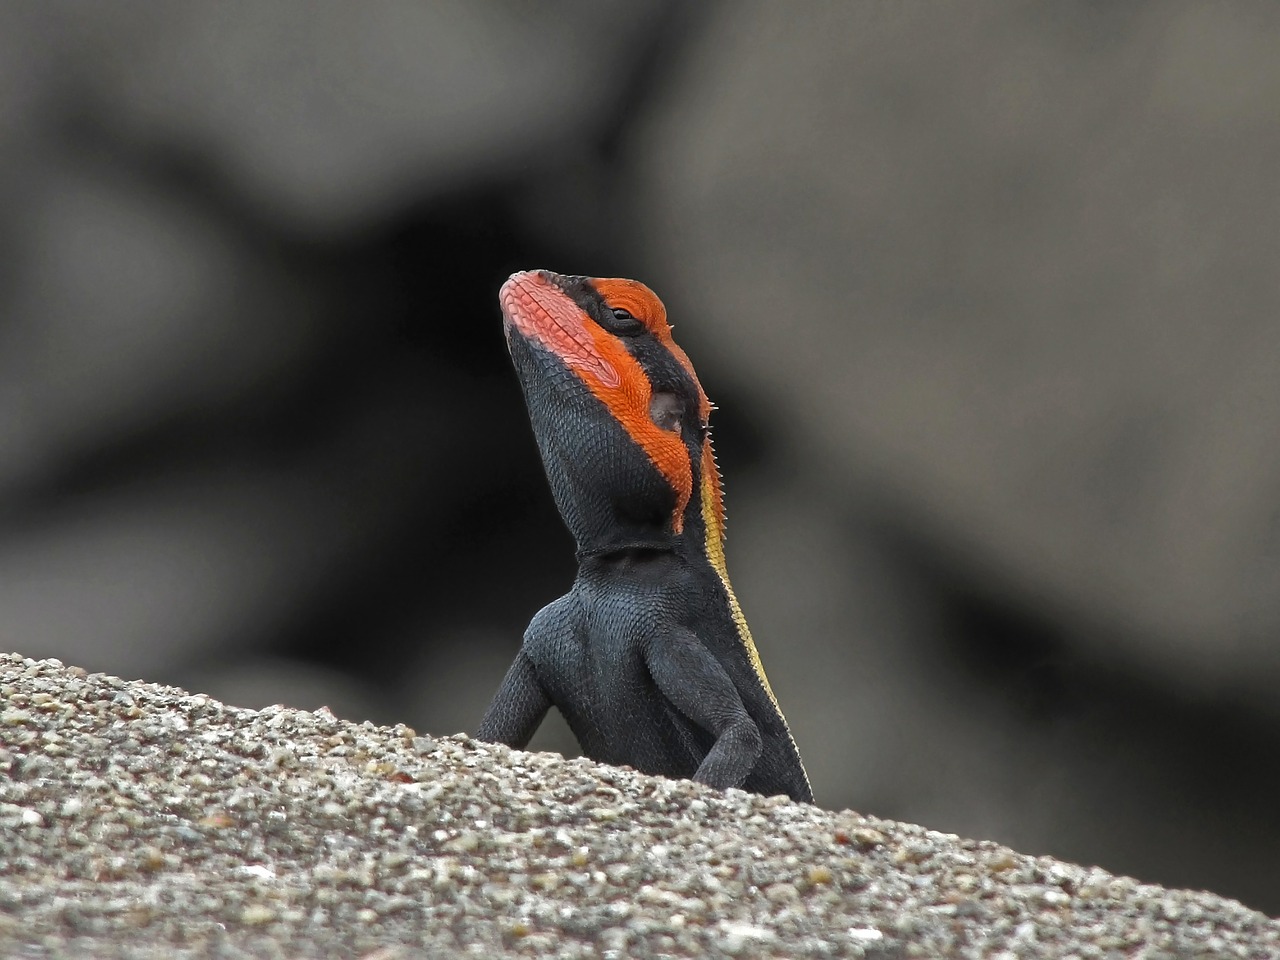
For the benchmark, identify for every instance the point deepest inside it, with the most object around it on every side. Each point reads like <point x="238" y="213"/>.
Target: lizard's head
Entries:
<point x="618" y="413"/>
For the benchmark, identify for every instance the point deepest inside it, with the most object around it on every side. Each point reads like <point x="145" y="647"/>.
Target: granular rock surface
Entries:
<point x="140" y="821"/>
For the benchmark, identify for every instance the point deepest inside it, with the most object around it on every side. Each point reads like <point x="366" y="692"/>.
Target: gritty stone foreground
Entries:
<point x="139" y="821"/>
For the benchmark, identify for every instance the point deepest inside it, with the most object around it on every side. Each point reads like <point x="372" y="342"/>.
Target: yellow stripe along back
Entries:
<point x="713" y="523"/>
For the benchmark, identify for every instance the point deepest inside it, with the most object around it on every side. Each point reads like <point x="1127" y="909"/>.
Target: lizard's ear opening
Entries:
<point x="667" y="411"/>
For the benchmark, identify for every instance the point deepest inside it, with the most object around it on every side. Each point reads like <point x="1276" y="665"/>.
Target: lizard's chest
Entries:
<point x="603" y="672"/>
<point x="598" y="679"/>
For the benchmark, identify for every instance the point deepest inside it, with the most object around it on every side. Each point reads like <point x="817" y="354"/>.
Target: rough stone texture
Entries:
<point x="140" y="821"/>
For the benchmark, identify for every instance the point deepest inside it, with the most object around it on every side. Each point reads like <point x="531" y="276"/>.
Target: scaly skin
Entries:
<point x="648" y="656"/>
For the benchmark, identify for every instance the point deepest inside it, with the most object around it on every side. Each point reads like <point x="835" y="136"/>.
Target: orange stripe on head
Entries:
<point x="643" y="304"/>
<point x="541" y="311"/>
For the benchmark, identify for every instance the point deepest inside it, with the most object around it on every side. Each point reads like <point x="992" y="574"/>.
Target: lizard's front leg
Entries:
<point x="695" y="683"/>
<point x="517" y="708"/>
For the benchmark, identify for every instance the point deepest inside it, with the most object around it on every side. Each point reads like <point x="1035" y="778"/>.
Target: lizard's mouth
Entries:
<point x="535" y="307"/>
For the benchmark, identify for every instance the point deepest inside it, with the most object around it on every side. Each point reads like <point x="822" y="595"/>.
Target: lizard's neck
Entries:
<point x="635" y="546"/>
<point x="699" y="538"/>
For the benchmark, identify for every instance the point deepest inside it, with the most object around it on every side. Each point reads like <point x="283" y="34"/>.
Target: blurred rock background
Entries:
<point x="987" y="295"/>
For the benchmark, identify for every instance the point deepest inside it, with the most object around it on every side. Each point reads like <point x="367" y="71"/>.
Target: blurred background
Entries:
<point x="987" y="295"/>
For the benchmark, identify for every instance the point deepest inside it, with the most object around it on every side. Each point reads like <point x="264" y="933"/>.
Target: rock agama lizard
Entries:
<point x="648" y="656"/>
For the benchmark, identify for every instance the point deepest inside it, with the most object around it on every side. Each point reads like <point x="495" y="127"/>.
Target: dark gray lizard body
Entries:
<point x="647" y="656"/>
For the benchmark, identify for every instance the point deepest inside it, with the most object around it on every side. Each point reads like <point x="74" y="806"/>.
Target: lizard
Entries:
<point x="648" y="656"/>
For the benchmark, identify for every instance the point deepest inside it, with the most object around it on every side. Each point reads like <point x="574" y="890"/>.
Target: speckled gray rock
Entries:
<point x="139" y="821"/>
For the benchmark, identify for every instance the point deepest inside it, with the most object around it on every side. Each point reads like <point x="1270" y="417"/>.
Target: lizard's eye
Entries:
<point x="667" y="411"/>
<point x="621" y="322"/>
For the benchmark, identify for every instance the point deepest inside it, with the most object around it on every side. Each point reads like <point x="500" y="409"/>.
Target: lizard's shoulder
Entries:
<point x="555" y="622"/>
